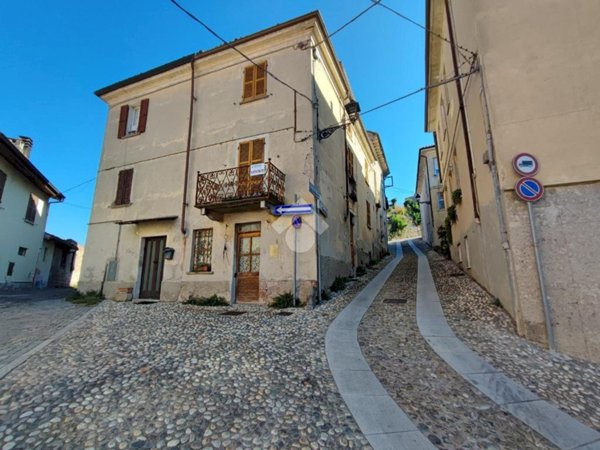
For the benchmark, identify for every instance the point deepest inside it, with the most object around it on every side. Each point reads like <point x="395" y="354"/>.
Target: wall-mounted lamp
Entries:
<point x="352" y="108"/>
<point x="168" y="253"/>
<point x="418" y="199"/>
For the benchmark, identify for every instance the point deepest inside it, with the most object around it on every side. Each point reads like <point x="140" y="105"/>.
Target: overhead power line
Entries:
<point x="234" y="48"/>
<point x="364" y="11"/>
<point x="423" y="27"/>
<point x="79" y="185"/>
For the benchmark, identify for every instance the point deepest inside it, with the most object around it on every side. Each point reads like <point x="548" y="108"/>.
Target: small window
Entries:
<point x="440" y="200"/>
<point x="2" y="183"/>
<point x="133" y="118"/>
<point x="22" y="251"/>
<point x="30" y="213"/>
<point x="202" y="250"/>
<point x="467" y="253"/>
<point x="11" y="269"/>
<point x="63" y="259"/>
<point x="255" y="81"/>
<point x="436" y="167"/>
<point x="368" y="214"/>
<point x="459" y="249"/>
<point x="123" y="196"/>
<point x="45" y="254"/>
<point x="350" y="163"/>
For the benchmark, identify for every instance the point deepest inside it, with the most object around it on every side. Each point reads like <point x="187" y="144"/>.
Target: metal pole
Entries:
<point x="540" y="270"/>
<point x="295" y="257"/>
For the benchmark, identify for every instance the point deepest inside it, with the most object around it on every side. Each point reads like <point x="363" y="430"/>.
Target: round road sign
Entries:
<point x="297" y="221"/>
<point x="525" y="164"/>
<point x="529" y="189"/>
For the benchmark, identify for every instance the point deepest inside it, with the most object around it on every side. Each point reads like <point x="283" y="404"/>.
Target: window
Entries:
<point x="350" y="163"/>
<point x="255" y="82"/>
<point x="436" y="167"/>
<point x="31" y="209"/>
<point x="202" y="250"/>
<point x="22" y="251"/>
<point x="63" y="259"/>
<point x="123" y="196"/>
<point x="11" y="269"/>
<point x="45" y="254"/>
<point x="132" y="119"/>
<point x="368" y="214"/>
<point x="440" y="200"/>
<point x="2" y="183"/>
<point x="468" y="253"/>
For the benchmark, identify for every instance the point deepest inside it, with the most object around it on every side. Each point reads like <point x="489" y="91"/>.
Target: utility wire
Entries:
<point x="233" y="47"/>
<point x="428" y="30"/>
<point x="364" y="11"/>
<point x="79" y="185"/>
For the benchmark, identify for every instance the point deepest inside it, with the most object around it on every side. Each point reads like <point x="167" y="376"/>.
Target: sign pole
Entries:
<point x="295" y="257"/>
<point x="540" y="270"/>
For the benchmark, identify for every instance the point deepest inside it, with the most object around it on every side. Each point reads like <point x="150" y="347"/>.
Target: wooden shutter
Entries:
<point x="258" y="151"/>
<point x="244" y="156"/>
<point x="143" y="115"/>
<point x="248" y="82"/>
<point x="368" y="214"/>
<point x="2" y="183"/>
<point x="123" y="121"/>
<point x="123" y="196"/>
<point x="31" y="208"/>
<point x="261" y="79"/>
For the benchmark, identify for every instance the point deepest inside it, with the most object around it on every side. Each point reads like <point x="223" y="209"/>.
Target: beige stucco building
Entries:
<point x="197" y="153"/>
<point x="533" y="89"/>
<point x="24" y="205"/>
<point x="430" y="195"/>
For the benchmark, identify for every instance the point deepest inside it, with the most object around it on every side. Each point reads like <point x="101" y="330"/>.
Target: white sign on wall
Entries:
<point x="258" y="169"/>
<point x="525" y="164"/>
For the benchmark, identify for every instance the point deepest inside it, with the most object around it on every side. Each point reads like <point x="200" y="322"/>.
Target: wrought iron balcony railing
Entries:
<point x="236" y="187"/>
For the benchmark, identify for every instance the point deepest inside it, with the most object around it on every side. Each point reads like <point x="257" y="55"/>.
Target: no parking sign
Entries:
<point x="529" y="189"/>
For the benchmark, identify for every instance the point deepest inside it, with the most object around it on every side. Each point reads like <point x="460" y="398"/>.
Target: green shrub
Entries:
<point x="338" y="284"/>
<point x="457" y="196"/>
<point x="89" y="298"/>
<point x="213" y="300"/>
<point x="360" y="271"/>
<point x="285" y="300"/>
<point x="451" y="213"/>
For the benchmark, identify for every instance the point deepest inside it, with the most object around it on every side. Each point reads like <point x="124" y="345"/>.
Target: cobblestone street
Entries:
<point x="171" y="375"/>
<point x="27" y="318"/>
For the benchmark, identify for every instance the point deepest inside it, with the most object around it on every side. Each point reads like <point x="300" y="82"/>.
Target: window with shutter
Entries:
<point x="368" y="214"/>
<point x="202" y="250"/>
<point x="2" y="184"/>
<point x="255" y="82"/>
<point x="123" y="196"/>
<point x="133" y="118"/>
<point x="31" y="209"/>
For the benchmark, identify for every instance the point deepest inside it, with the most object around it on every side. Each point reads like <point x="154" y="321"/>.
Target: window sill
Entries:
<point x="124" y="205"/>
<point x="129" y="135"/>
<point x="253" y="99"/>
<point x="30" y="222"/>
<point x="200" y="273"/>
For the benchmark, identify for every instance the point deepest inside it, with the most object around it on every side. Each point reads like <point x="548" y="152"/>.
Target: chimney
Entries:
<point x="24" y="144"/>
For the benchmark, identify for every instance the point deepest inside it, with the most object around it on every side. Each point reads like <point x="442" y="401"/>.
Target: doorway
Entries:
<point x="152" y="266"/>
<point x="247" y="262"/>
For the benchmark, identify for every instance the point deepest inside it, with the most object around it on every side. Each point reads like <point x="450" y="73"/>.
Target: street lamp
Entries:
<point x="352" y="108"/>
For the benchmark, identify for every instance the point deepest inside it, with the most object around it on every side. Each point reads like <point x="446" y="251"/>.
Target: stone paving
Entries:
<point x="445" y="407"/>
<point x="28" y="317"/>
<point x="179" y="376"/>
<point x="571" y="384"/>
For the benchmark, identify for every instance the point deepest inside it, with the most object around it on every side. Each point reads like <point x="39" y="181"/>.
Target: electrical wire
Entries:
<point x="364" y="11"/>
<point x="428" y="30"/>
<point x="233" y="47"/>
<point x="79" y="185"/>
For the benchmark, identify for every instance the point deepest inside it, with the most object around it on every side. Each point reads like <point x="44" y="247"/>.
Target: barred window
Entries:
<point x="202" y="250"/>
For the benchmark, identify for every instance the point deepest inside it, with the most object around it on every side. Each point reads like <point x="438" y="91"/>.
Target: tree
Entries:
<point x="393" y="202"/>
<point x="397" y="224"/>
<point x="413" y="210"/>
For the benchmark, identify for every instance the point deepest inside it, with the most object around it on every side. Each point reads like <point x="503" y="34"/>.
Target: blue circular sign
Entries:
<point x="529" y="189"/>
<point x="297" y="221"/>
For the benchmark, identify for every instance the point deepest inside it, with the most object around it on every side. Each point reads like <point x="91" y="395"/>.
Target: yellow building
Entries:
<point x="198" y="154"/>
<point x="430" y="195"/>
<point x="532" y="88"/>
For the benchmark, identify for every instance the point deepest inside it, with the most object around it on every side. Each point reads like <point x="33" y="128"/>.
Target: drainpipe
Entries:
<point x="491" y="154"/>
<point x="315" y="115"/>
<point x="429" y="192"/>
<point x="463" y="114"/>
<point x="184" y="203"/>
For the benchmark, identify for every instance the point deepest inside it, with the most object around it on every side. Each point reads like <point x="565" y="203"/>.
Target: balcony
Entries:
<point x="235" y="189"/>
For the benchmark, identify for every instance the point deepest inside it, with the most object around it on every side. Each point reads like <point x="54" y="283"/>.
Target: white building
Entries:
<point x="24" y="204"/>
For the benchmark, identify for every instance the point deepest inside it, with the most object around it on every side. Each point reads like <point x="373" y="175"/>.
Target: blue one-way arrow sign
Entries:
<point x="288" y="210"/>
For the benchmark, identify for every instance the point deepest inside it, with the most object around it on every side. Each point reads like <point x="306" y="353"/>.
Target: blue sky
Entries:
<point x="56" y="54"/>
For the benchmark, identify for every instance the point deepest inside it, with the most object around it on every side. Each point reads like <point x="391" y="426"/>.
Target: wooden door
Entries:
<point x="152" y="267"/>
<point x="248" y="262"/>
<point x="251" y="152"/>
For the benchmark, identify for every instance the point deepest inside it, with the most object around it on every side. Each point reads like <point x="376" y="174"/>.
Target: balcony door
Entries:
<point x="247" y="262"/>
<point x="251" y="152"/>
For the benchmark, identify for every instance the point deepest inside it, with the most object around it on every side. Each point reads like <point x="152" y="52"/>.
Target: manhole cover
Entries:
<point x="233" y="313"/>
<point x="284" y="313"/>
<point x="395" y="301"/>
